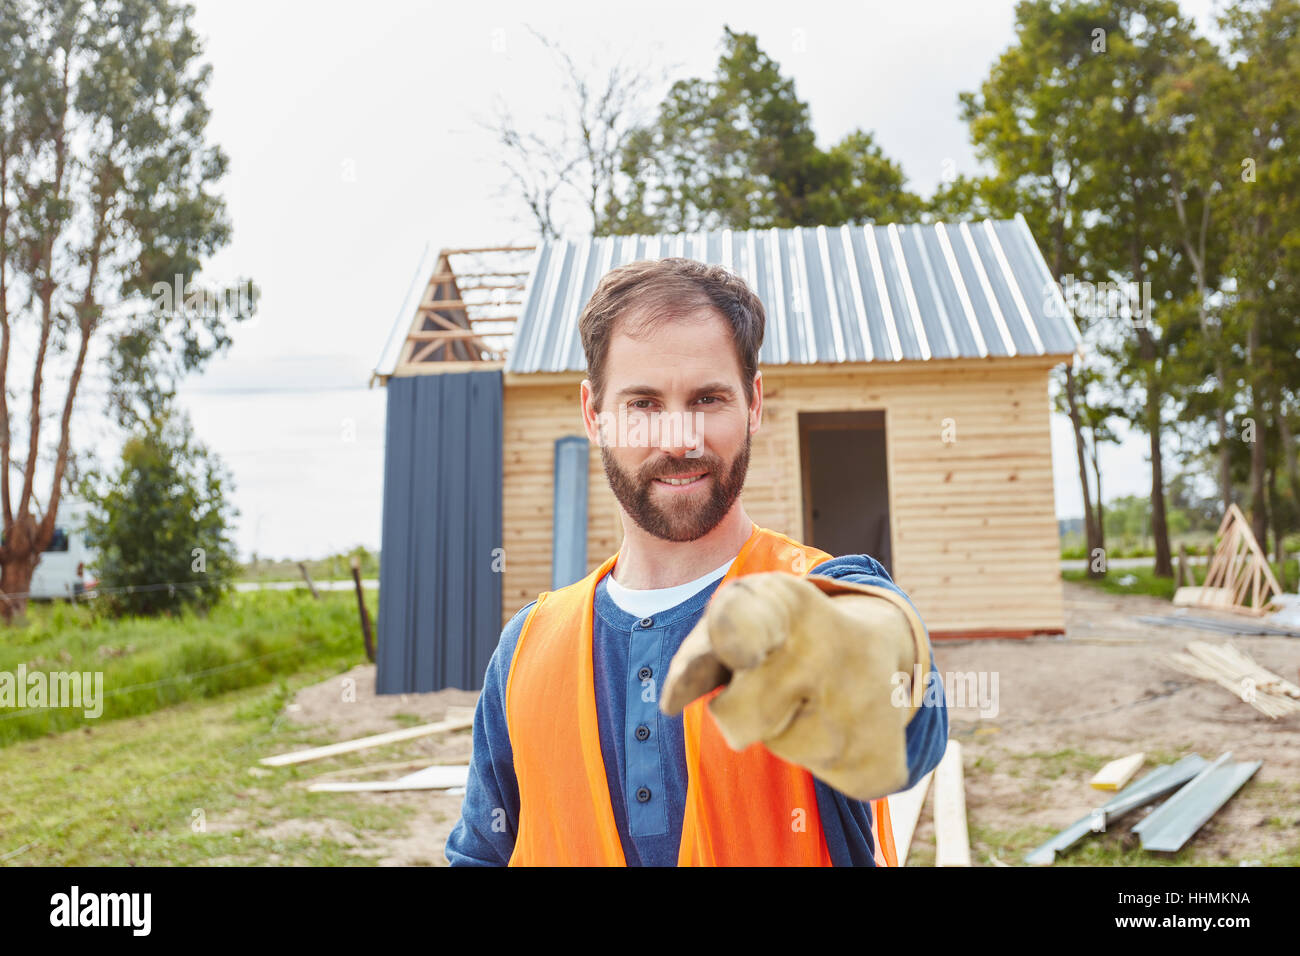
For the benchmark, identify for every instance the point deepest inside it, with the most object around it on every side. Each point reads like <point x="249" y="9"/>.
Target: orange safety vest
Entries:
<point x="746" y="808"/>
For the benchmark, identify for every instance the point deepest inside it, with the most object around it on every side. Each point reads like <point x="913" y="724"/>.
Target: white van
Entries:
<point x="64" y="568"/>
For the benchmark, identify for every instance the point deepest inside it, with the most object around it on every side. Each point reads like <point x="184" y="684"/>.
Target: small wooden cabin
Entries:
<point x="906" y="415"/>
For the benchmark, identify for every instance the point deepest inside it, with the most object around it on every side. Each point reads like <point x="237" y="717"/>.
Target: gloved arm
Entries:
<point x="812" y="667"/>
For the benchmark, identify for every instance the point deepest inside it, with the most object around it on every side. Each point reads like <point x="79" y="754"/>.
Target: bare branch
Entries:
<point x="583" y="153"/>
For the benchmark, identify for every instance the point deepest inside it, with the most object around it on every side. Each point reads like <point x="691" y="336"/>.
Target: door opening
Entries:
<point x="846" y="483"/>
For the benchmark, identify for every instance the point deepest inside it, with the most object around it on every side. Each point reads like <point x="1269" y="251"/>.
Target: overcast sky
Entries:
<point x="354" y="142"/>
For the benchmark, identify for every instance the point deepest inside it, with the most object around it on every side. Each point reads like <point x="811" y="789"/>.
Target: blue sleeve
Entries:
<point x="489" y="815"/>
<point x="927" y="731"/>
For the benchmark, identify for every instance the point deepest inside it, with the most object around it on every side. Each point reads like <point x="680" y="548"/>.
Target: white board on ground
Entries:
<point x="1117" y="773"/>
<point x="951" y="840"/>
<point x="374" y="740"/>
<point x="904" y="812"/>
<point x="442" y="777"/>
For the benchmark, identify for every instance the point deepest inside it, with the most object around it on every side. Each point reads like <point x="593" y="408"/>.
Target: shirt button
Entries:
<point x="644" y="673"/>
<point x="642" y="732"/>
<point x="647" y="621"/>
<point x="643" y="794"/>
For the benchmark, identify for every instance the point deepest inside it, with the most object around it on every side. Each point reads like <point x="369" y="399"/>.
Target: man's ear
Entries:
<point x="756" y="406"/>
<point x="590" y="418"/>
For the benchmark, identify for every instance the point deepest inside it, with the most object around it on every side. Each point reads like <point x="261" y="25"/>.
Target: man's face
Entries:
<point x="674" y="427"/>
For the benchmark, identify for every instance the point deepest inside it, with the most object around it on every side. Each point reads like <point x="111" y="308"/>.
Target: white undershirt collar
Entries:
<point x="651" y="601"/>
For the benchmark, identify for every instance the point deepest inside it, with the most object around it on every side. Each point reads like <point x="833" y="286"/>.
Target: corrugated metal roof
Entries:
<point x="832" y="294"/>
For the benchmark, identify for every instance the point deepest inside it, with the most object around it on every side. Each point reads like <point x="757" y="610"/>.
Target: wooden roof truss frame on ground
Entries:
<point x="454" y="321"/>
<point x="1239" y="569"/>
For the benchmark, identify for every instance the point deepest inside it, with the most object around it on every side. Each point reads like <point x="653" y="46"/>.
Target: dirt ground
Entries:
<point x="1064" y="706"/>
<point x="329" y="708"/>
<point x="1069" y="704"/>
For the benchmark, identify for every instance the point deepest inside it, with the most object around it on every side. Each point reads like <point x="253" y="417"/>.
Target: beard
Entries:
<point x="681" y="519"/>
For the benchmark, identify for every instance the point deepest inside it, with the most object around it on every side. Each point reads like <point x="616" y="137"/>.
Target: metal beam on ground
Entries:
<point x="1142" y="791"/>
<point x="1175" y="821"/>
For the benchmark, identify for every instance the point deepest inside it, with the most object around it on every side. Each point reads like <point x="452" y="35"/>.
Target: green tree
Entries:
<point x="1029" y="121"/>
<point x="1196" y="106"/>
<point x="1262" y="206"/>
<point x="1133" y="232"/>
<point x="739" y="151"/>
<point x="161" y="523"/>
<point x="105" y="198"/>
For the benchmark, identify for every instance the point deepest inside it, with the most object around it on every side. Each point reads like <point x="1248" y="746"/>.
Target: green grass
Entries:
<point x="336" y="567"/>
<point x="152" y="663"/>
<point x="181" y="787"/>
<point x="1069" y="760"/>
<point x="1146" y="582"/>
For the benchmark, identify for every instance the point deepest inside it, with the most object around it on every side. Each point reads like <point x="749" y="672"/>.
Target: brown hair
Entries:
<point x="660" y="289"/>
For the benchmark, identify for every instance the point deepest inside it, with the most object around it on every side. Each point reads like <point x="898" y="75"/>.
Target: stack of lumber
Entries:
<point x="1234" y="670"/>
<point x="1239" y="578"/>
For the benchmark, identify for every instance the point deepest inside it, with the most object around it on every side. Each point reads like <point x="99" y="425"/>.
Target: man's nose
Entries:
<point x="678" y="434"/>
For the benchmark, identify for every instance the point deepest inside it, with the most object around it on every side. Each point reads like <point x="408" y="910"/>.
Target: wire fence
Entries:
<point x="177" y="678"/>
<point x="95" y="590"/>
<point x="174" y="678"/>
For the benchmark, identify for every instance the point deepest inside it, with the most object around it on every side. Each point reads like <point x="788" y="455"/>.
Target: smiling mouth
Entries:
<point x="679" y="481"/>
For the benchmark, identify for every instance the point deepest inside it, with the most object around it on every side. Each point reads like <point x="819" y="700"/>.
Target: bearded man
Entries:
<point x="715" y="693"/>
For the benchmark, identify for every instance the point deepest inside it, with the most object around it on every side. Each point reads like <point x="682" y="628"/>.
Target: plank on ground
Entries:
<point x="459" y="722"/>
<point x="439" y="777"/>
<point x="1119" y="772"/>
<point x="951" y="839"/>
<point x="904" y="812"/>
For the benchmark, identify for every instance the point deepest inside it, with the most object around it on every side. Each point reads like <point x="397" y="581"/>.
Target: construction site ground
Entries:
<point x="1065" y="706"/>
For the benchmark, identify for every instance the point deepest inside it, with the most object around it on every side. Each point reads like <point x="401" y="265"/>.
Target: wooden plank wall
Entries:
<point x="535" y="416"/>
<point x="973" y="519"/>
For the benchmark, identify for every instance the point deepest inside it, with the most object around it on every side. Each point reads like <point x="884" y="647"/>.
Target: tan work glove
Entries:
<point x="811" y="665"/>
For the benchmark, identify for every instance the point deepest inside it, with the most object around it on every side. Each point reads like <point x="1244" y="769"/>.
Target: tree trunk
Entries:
<point x="1091" y="532"/>
<point x="1278" y="531"/>
<point x="1101" y="513"/>
<point x="1258" y="461"/>
<point x="15" y="580"/>
<point x="1258" y="508"/>
<point x="17" y="568"/>
<point x="1289" y="455"/>
<point x="1159" y="522"/>
<point x="1094" y="454"/>
<point x="1225" y="457"/>
<point x="1259" y="490"/>
<point x="1164" y="567"/>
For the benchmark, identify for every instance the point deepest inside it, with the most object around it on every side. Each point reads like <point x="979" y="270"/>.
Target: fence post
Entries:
<point x="361" y="605"/>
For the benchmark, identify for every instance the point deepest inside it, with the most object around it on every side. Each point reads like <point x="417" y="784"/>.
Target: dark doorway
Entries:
<point x="845" y="483"/>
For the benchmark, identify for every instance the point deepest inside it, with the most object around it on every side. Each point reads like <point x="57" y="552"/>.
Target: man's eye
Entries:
<point x="711" y="399"/>
<point x="636" y="403"/>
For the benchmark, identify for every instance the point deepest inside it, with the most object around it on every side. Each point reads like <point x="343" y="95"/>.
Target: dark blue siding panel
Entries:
<point x="440" y="585"/>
